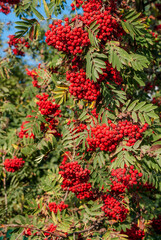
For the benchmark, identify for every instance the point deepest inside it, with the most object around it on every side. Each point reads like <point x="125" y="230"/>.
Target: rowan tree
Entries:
<point x="80" y="121"/>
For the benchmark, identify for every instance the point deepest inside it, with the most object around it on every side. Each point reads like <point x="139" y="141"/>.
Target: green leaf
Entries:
<point x="110" y="115"/>
<point x="139" y="105"/>
<point x="153" y="115"/>
<point x="141" y="118"/>
<point x="23" y="23"/>
<point x="104" y="118"/>
<point x="134" y="116"/>
<point x="132" y="105"/>
<point x="148" y="108"/>
<point x="39" y="15"/>
<point x="137" y="144"/>
<point x="46" y="9"/>
<point x="133" y="25"/>
<point x="147" y="119"/>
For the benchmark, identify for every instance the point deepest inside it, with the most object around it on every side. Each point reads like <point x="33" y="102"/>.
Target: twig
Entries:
<point x="56" y="233"/>
<point x="66" y="195"/>
<point x="73" y="156"/>
<point x="82" y="231"/>
<point x="19" y="235"/>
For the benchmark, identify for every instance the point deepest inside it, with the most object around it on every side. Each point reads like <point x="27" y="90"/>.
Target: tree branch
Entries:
<point x="54" y="234"/>
<point x="83" y="231"/>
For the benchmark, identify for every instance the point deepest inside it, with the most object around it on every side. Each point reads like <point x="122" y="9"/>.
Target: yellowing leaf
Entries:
<point x="15" y="146"/>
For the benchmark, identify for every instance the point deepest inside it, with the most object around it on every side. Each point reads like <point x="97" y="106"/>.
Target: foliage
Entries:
<point x="97" y="161"/>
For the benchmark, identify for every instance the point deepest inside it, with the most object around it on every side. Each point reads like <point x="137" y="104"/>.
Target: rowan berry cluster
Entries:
<point x="81" y="87"/>
<point x="24" y="132"/>
<point x="146" y="186"/>
<point x="112" y="75"/>
<point x="52" y="124"/>
<point x="106" y="18"/>
<point x="50" y="111"/>
<point x="55" y="207"/>
<point x="50" y="229"/>
<point x="27" y="232"/>
<point x="76" y="4"/>
<point x="124" y="178"/>
<point x="67" y="39"/>
<point x="46" y="107"/>
<point x="5" y="8"/>
<point x="75" y="179"/>
<point x="156" y="101"/>
<point x="94" y="113"/>
<point x="18" y="44"/>
<point x="135" y="233"/>
<point x="72" y="38"/>
<point x="34" y="75"/>
<point x="114" y="209"/>
<point x="78" y="127"/>
<point x="149" y="86"/>
<point x="107" y="138"/>
<point x="156" y="224"/>
<point x="11" y="1"/>
<point x="158" y="27"/>
<point x="47" y="231"/>
<point x="13" y="164"/>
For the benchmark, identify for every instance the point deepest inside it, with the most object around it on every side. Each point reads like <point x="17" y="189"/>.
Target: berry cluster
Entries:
<point x="52" y="124"/>
<point x="11" y="1"/>
<point x="24" y="132"/>
<point x="94" y="113"/>
<point x="18" y="44"/>
<point x="75" y="179"/>
<point x="112" y="75"/>
<point x="50" y="111"/>
<point x="4" y="8"/>
<point x="34" y="75"/>
<point x="156" y="224"/>
<point x="78" y="126"/>
<point x="157" y="101"/>
<point x="55" y="207"/>
<point x="146" y="186"/>
<point x="81" y="87"/>
<point x="105" y="18"/>
<point x="158" y="27"/>
<point x="14" y="164"/>
<point x="124" y="178"/>
<point x="50" y="229"/>
<point x="72" y="38"/>
<point x="150" y="86"/>
<point x="77" y="4"/>
<point x="108" y="137"/>
<point x="114" y="209"/>
<point x="67" y="39"/>
<point x="27" y="232"/>
<point x="135" y="233"/>
<point x="46" y="107"/>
